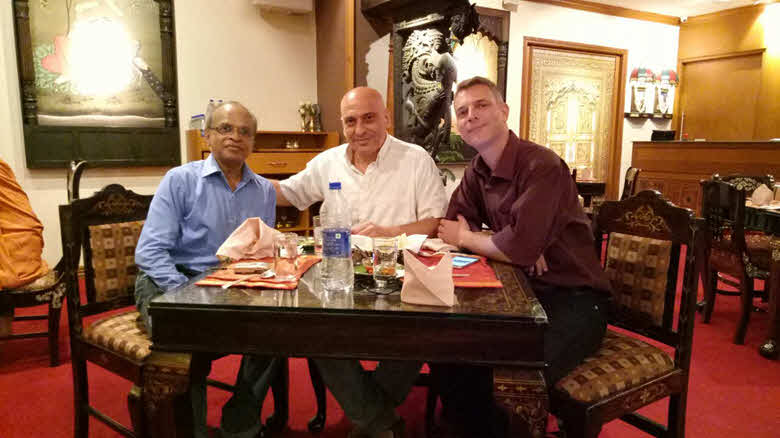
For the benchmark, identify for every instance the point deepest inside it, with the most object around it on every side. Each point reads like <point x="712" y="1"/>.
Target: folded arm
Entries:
<point x="425" y="226"/>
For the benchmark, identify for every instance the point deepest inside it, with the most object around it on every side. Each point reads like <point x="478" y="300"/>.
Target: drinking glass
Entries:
<point x="317" y="224"/>
<point x="286" y="256"/>
<point x="385" y="256"/>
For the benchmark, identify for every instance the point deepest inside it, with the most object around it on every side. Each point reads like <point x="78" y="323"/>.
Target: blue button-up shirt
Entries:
<point x="192" y="213"/>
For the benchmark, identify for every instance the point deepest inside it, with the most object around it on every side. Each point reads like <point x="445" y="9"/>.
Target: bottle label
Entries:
<point x="336" y="242"/>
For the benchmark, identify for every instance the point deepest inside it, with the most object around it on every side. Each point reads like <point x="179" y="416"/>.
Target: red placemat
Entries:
<point x="478" y="274"/>
<point x="224" y="276"/>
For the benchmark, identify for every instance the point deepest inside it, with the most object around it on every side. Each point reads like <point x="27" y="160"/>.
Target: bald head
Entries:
<point x="365" y="120"/>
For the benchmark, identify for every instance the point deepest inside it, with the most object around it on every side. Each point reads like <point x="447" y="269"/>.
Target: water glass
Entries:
<point x="317" y="224"/>
<point x="286" y="256"/>
<point x="385" y="257"/>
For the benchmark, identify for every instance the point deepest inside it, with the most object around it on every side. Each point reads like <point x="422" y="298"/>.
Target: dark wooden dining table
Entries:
<point x="498" y="327"/>
<point x="768" y="221"/>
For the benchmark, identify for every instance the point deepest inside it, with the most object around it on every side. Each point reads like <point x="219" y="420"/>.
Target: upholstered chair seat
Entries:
<point x="43" y="282"/>
<point x="123" y="334"/>
<point x="623" y="362"/>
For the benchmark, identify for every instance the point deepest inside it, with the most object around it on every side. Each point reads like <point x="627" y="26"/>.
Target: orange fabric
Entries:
<point x="21" y="234"/>
<point x="478" y="274"/>
<point x="224" y="276"/>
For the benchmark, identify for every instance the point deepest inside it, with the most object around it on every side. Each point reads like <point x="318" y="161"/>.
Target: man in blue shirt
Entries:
<point x="194" y="210"/>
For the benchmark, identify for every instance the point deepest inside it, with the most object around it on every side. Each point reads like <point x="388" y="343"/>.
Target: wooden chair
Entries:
<point x="646" y="235"/>
<point x="731" y="250"/>
<point x="629" y="183"/>
<point x="49" y="288"/>
<point x="103" y="330"/>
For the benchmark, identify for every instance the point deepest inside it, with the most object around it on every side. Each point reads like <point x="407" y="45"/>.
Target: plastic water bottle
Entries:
<point x="338" y="274"/>
<point x="209" y="111"/>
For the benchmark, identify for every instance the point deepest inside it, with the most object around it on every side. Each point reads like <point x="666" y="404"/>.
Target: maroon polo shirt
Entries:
<point x="530" y="202"/>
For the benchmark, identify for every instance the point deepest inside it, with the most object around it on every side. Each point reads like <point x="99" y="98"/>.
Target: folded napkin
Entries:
<point x="475" y="275"/>
<point x="437" y="245"/>
<point x="431" y="286"/>
<point x="762" y="195"/>
<point x="252" y="240"/>
<point x="227" y="275"/>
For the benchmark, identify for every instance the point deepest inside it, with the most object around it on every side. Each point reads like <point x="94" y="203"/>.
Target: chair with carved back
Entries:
<point x="629" y="182"/>
<point x="740" y="255"/>
<point x="49" y="288"/>
<point x="104" y="324"/>
<point x="647" y="237"/>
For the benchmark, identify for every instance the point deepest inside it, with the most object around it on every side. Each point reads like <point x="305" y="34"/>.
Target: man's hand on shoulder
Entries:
<point x="371" y="229"/>
<point x="454" y="232"/>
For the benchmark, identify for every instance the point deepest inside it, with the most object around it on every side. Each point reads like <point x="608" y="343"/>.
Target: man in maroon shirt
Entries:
<point x="525" y="194"/>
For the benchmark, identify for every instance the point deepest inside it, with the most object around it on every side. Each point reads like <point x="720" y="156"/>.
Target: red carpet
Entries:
<point x="734" y="392"/>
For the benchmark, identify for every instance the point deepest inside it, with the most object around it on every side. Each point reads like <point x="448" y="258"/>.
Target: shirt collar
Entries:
<point x="210" y="167"/>
<point x="505" y="167"/>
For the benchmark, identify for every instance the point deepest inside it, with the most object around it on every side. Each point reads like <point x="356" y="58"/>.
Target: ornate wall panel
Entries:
<point x="571" y="108"/>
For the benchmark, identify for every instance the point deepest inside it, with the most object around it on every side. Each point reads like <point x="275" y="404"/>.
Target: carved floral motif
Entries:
<point x="116" y="204"/>
<point x="644" y="217"/>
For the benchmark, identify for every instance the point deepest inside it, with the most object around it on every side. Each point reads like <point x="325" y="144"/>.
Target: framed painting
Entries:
<point x="98" y="82"/>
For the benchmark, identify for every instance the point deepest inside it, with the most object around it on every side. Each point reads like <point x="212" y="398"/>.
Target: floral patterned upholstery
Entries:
<point x="759" y="255"/>
<point x="113" y="258"/>
<point x="637" y="268"/>
<point x="122" y="333"/>
<point x="622" y="362"/>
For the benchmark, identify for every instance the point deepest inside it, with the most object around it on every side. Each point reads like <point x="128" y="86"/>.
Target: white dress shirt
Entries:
<point x="402" y="186"/>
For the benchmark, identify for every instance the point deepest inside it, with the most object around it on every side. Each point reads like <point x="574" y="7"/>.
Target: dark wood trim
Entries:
<point x="349" y="44"/>
<point x="723" y="56"/>
<point x="621" y="69"/>
<point x="613" y="10"/>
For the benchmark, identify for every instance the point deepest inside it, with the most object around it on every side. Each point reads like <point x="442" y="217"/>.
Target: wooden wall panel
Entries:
<point x="675" y="168"/>
<point x="724" y="34"/>
<point x="712" y="90"/>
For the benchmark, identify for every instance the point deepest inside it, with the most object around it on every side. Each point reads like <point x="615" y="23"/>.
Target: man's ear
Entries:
<point x="505" y="111"/>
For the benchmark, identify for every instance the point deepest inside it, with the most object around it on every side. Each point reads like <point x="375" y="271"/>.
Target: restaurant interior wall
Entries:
<point x="231" y="50"/>
<point x="648" y="43"/>
<point x="720" y="43"/>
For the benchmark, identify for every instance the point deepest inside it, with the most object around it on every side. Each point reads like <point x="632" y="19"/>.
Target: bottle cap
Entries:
<point x="335" y="185"/>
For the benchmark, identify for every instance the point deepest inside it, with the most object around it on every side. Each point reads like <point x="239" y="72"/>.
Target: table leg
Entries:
<point x="165" y="392"/>
<point x="769" y="348"/>
<point x="523" y="395"/>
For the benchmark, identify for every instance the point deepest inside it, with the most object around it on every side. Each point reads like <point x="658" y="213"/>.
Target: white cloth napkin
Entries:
<point x="437" y="245"/>
<point x="430" y="286"/>
<point x="762" y="195"/>
<point x="252" y="240"/>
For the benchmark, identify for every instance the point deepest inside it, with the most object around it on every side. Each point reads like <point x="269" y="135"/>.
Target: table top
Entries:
<point x="482" y="327"/>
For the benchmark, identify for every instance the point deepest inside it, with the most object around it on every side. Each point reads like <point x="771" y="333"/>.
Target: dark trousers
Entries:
<point x="577" y="323"/>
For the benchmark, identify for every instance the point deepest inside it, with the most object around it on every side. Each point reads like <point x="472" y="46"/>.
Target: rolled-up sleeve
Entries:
<point x="159" y="235"/>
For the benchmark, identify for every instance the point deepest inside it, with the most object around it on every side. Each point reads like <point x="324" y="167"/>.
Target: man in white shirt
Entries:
<point x="392" y="188"/>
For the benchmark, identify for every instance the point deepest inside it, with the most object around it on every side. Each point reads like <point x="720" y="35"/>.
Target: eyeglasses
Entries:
<point x="227" y="129"/>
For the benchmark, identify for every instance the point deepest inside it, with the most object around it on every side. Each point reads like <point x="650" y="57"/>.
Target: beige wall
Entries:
<point x="226" y="49"/>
